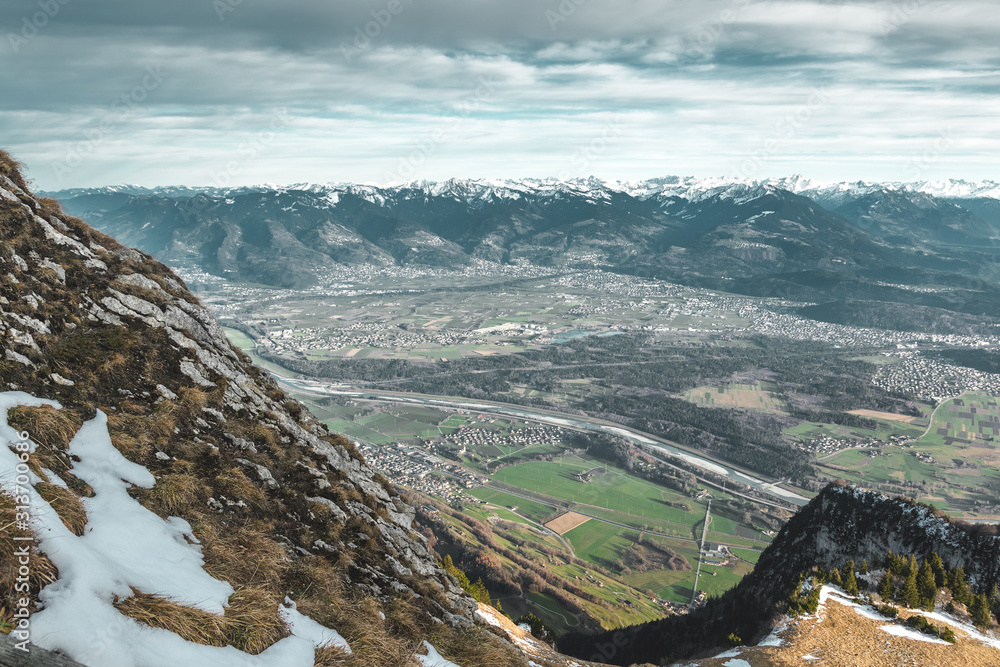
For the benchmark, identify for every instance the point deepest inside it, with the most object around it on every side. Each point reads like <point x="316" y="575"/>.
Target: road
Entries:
<point x="701" y="551"/>
<point x="576" y="422"/>
<point x="930" y="424"/>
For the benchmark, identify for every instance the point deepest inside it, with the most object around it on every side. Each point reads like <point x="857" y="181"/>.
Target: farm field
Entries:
<point x="746" y="396"/>
<point x="955" y="466"/>
<point x="886" y="429"/>
<point x="567" y="522"/>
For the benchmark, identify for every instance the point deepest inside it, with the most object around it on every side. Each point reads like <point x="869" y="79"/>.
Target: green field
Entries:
<point x="636" y="500"/>
<point x="886" y="428"/>
<point x="600" y="543"/>
<point x="534" y="511"/>
<point x="239" y="339"/>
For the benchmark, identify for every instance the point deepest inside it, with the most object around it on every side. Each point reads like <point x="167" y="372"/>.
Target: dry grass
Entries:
<point x="191" y="624"/>
<point x="241" y="554"/>
<point x="132" y="435"/>
<point x="193" y="399"/>
<point x="322" y="594"/>
<point x="43" y="572"/>
<point x="52" y="430"/>
<point x="176" y="494"/>
<point x="66" y="504"/>
<point x="329" y="656"/>
<point x="250" y="624"/>
<point x="252" y="621"/>
<point x="474" y="646"/>
<point x="11" y="168"/>
<point x="235" y="485"/>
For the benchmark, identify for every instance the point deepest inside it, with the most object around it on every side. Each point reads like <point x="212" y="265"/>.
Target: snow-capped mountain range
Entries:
<point x="686" y="187"/>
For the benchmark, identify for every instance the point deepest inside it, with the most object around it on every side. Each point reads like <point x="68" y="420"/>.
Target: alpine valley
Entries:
<point x="491" y="424"/>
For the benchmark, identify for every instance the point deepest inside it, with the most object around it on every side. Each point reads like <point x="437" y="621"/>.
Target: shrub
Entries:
<point x="887" y="610"/>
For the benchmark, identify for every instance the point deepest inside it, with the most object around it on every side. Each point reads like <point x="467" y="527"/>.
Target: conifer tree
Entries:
<point x="911" y="565"/>
<point x="864" y="566"/>
<point x="909" y="596"/>
<point x="835" y="578"/>
<point x="926" y="587"/>
<point x="850" y="582"/>
<point x="979" y="608"/>
<point x="895" y="564"/>
<point x="960" y="587"/>
<point x="885" y="587"/>
<point x="940" y="573"/>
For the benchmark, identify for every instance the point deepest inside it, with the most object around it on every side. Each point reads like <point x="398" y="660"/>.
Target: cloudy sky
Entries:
<point x="204" y="92"/>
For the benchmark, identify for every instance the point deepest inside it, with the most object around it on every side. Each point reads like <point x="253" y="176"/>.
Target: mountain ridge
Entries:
<point x="275" y="506"/>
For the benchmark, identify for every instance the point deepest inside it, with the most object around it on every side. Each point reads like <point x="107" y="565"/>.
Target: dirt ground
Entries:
<point x="840" y="637"/>
<point x="567" y="522"/>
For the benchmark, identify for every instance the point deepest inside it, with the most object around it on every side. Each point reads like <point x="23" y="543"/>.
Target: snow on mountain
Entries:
<point x="471" y="191"/>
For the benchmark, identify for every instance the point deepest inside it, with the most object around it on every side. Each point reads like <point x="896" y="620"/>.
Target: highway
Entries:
<point x="576" y="422"/>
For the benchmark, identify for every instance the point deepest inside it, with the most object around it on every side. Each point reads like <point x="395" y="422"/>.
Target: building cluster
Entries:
<point x="932" y="380"/>
<point x="420" y="471"/>
<point x="520" y="438"/>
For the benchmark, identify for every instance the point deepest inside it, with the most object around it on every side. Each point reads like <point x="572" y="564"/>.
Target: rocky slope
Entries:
<point x="278" y="507"/>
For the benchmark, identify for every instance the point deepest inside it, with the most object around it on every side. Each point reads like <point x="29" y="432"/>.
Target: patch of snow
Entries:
<point x="433" y="658"/>
<point x="809" y="656"/>
<point x="864" y="610"/>
<point x="967" y="628"/>
<point x="731" y="653"/>
<point x="901" y="631"/>
<point x="302" y="626"/>
<point x="773" y="639"/>
<point x="124" y="546"/>
<point x="736" y="663"/>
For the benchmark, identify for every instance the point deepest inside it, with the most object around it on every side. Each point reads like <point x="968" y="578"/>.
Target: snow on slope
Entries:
<point x="125" y="546"/>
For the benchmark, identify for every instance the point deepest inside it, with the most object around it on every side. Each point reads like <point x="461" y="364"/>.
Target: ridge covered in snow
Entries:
<point x="471" y="190"/>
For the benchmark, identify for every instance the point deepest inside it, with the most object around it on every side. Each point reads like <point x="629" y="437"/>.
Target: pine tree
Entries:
<point x="911" y="565"/>
<point x="885" y="587"/>
<point x="926" y="587"/>
<point x="960" y="587"/>
<point x="835" y="577"/>
<point x="940" y="573"/>
<point x="895" y="564"/>
<point x="864" y="566"/>
<point x="850" y="582"/>
<point x="979" y="608"/>
<point x="909" y="596"/>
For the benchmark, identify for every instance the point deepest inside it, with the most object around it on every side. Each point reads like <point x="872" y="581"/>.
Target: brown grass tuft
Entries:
<point x="132" y="435"/>
<point x="11" y="168"/>
<point x="189" y="623"/>
<point x="66" y="504"/>
<point x="242" y="554"/>
<point x="43" y="572"/>
<point x="322" y="594"/>
<point x="176" y="494"/>
<point x="474" y="646"/>
<point x="252" y="621"/>
<point x="51" y="429"/>
<point x="235" y="485"/>
<point x="193" y="399"/>
<point x="329" y="656"/>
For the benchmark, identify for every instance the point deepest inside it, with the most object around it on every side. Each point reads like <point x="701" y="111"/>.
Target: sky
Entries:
<point x="238" y="92"/>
